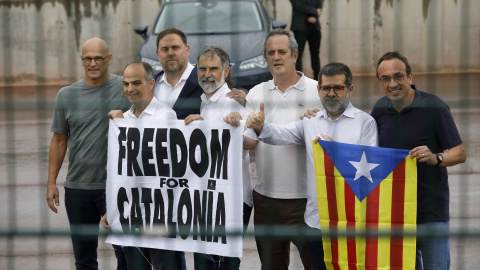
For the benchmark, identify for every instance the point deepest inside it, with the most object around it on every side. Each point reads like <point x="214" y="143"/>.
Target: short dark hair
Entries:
<point x="333" y="69"/>
<point x="292" y="42"/>
<point x="392" y="55"/>
<point x="149" y="75"/>
<point x="169" y="31"/>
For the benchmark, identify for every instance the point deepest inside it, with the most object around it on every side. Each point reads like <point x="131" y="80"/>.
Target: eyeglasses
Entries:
<point x="337" y="89"/>
<point x="98" y="60"/>
<point x="398" y="78"/>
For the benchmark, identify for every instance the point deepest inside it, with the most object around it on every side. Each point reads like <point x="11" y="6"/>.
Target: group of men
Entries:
<point x="406" y="118"/>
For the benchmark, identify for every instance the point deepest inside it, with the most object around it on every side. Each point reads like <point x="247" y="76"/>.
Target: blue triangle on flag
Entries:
<point x="374" y="164"/>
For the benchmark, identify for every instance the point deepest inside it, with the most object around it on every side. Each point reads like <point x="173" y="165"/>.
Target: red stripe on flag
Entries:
<point x="371" y="249"/>
<point x="350" y="214"/>
<point x="332" y="206"/>
<point x="398" y="209"/>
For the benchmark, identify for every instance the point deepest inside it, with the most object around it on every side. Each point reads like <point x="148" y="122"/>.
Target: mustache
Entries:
<point x="332" y="99"/>
<point x="210" y="79"/>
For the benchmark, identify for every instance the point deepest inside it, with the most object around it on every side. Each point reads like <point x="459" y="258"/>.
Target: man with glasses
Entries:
<point x="81" y="125"/>
<point x="409" y="118"/>
<point x="339" y="121"/>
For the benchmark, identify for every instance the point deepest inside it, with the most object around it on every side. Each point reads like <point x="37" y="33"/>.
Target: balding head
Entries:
<point x="97" y="43"/>
<point x="95" y="61"/>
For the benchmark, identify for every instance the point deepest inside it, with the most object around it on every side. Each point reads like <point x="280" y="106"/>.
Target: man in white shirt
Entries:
<point x="214" y="78"/>
<point x="177" y="84"/>
<point x="138" y="82"/>
<point x="281" y="190"/>
<point x="339" y="121"/>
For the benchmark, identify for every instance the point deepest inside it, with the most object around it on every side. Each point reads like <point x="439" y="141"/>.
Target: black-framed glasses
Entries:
<point x="398" y="78"/>
<point x="98" y="60"/>
<point x="337" y="89"/>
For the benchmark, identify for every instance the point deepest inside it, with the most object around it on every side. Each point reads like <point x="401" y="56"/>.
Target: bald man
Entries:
<point x="81" y="125"/>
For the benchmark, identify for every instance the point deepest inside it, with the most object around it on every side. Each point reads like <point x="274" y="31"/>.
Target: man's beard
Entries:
<point x="336" y="108"/>
<point x="210" y="88"/>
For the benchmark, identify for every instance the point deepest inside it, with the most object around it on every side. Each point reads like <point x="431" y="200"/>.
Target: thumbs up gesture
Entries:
<point x="255" y="120"/>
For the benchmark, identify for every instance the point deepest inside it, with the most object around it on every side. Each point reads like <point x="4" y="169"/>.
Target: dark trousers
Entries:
<point x="275" y="253"/>
<point x="85" y="207"/>
<point x="214" y="262"/>
<point x="145" y="258"/>
<point x="315" y="250"/>
<point x="313" y="37"/>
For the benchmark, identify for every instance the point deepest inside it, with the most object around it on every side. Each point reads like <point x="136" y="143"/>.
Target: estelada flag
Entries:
<point x="363" y="188"/>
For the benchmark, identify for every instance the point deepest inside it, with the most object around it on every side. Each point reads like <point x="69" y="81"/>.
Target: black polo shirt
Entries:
<point x="427" y="121"/>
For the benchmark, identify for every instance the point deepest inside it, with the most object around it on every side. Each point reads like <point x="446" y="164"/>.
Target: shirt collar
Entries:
<point x="416" y="100"/>
<point x="150" y="109"/>
<point x="185" y="75"/>
<point x="349" y="112"/>
<point x="220" y="92"/>
<point x="301" y="84"/>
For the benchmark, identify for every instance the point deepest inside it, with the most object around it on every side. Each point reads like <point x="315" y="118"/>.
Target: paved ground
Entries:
<point x="24" y="140"/>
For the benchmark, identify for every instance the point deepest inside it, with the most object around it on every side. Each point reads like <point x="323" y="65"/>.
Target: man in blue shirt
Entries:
<point x="408" y="118"/>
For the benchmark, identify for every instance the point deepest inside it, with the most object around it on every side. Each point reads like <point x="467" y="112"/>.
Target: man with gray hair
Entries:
<point x="213" y="65"/>
<point x="340" y="121"/>
<point x="280" y="195"/>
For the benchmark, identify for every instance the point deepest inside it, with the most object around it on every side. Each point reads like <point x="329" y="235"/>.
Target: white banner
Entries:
<point x="180" y="185"/>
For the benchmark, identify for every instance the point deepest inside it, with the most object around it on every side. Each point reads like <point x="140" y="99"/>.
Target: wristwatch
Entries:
<point x="439" y="159"/>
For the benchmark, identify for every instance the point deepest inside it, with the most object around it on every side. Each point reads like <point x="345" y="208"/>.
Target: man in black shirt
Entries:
<point x="408" y="118"/>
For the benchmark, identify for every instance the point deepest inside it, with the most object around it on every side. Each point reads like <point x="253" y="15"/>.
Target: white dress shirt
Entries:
<point x="353" y="127"/>
<point x="167" y="93"/>
<point x="154" y="110"/>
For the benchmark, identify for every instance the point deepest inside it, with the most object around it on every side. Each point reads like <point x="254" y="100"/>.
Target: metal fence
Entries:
<point x="32" y="237"/>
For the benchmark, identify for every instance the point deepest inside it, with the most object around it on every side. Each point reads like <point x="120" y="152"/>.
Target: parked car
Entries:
<point x="238" y="26"/>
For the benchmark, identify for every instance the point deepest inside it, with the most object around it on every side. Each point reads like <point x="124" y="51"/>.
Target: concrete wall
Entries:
<point x="41" y="40"/>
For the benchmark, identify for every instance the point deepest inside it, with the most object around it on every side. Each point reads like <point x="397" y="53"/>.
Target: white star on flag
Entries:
<point x="363" y="168"/>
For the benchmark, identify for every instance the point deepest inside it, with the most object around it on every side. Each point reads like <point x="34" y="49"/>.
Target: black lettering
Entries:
<point x="209" y="216"/>
<point x="185" y="202"/>
<point x="121" y="199"/>
<point x="133" y="143"/>
<point x="199" y="214"/>
<point x="219" y="153"/>
<point x="121" y="152"/>
<point x="172" y="226"/>
<point x="135" y="212"/>
<point x="159" y="209"/>
<point x="178" y="166"/>
<point x="161" y="152"/>
<point x="198" y="139"/>
<point x="220" y="220"/>
<point x="147" y="152"/>
<point x="147" y="200"/>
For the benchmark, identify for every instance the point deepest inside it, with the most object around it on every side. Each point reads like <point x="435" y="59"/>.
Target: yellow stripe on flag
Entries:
<point x="409" y="243"/>
<point x="385" y="221"/>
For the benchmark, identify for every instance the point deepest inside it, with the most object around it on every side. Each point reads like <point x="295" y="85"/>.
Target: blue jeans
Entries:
<point x="433" y="252"/>
<point x="85" y="207"/>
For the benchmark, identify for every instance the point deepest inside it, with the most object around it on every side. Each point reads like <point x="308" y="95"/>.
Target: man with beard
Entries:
<point x="177" y="84"/>
<point x="339" y="121"/>
<point x="214" y="78"/>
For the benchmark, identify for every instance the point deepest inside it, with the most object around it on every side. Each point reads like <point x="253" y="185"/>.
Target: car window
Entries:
<point x="222" y="18"/>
